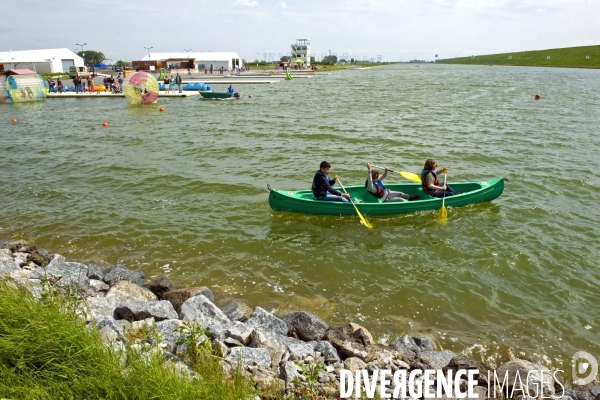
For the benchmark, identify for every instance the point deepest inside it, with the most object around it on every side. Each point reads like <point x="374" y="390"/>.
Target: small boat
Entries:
<point x="215" y="95"/>
<point x="302" y="201"/>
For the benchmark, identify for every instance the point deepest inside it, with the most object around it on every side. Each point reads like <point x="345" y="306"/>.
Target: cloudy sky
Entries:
<point x="393" y="29"/>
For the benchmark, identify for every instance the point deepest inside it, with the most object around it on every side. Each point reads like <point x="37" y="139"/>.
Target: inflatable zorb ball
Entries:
<point x="140" y="88"/>
<point x="25" y="88"/>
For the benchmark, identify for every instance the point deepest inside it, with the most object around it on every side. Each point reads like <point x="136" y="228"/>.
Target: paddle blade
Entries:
<point x="363" y="220"/>
<point x="410" y="175"/>
<point x="442" y="215"/>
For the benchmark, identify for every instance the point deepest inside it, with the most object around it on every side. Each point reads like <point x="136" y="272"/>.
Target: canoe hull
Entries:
<point x="301" y="201"/>
<point x="215" y="95"/>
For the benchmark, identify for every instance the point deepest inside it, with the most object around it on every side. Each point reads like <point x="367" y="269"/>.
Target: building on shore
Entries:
<point x="301" y="51"/>
<point x="192" y="60"/>
<point x="47" y="61"/>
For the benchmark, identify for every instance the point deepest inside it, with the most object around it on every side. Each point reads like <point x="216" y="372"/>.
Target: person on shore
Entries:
<point x="321" y="186"/>
<point x="230" y="90"/>
<point x="430" y="183"/>
<point x="90" y="83"/>
<point x="211" y="68"/>
<point x="178" y="82"/>
<point x="51" y="85"/>
<point x="376" y="188"/>
<point x="77" y="83"/>
<point x="167" y="83"/>
<point x="120" y="81"/>
<point x="59" y="85"/>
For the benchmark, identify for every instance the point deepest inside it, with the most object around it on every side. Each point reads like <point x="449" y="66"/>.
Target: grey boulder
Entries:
<point x="261" y="318"/>
<point x="120" y="272"/>
<point x="140" y="310"/>
<point x="305" y="326"/>
<point x="202" y="310"/>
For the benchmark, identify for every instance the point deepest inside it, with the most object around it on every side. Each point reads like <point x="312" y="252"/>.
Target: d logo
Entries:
<point x="581" y="367"/>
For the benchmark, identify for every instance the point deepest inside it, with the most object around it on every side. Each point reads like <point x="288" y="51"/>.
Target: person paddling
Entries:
<point x="430" y="183"/>
<point x="321" y="186"/>
<point x="376" y="188"/>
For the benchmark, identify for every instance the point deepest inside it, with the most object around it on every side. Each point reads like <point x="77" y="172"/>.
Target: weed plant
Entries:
<point x="46" y="352"/>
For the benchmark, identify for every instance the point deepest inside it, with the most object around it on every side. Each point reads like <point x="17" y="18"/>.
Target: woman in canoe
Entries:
<point x="430" y="183"/>
<point x="376" y="188"/>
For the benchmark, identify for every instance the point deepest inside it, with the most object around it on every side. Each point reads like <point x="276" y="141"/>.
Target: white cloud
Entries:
<point x="280" y="4"/>
<point x="249" y="3"/>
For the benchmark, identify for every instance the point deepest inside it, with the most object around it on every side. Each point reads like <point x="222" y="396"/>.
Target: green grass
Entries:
<point x="571" y="57"/>
<point x="46" y="353"/>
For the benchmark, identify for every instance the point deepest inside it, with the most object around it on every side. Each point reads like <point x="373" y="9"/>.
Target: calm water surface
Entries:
<point x="183" y="194"/>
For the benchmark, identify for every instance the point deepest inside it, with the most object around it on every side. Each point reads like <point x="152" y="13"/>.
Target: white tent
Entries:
<point x="42" y="61"/>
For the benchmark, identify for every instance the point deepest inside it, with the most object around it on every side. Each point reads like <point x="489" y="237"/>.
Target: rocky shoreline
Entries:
<point x="296" y="355"/>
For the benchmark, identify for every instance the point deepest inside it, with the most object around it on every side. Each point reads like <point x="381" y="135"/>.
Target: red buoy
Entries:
<point x="161" y="109"/>
<point x="105" y="123"/>
<point x="14" y="120"/>
<point x="537" y="96"/>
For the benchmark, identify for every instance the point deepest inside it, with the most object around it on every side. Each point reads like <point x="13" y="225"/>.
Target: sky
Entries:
<point x="393" y="30"/>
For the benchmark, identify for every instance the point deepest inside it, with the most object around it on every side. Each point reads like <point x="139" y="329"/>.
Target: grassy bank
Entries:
<point x="571" y="57"/>
<point x="46" y="353"/>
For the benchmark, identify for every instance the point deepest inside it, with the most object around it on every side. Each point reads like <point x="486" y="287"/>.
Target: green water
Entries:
<point x="183" y="193"/>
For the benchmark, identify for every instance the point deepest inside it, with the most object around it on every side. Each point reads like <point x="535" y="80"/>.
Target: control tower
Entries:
<point x="301" y="50"/>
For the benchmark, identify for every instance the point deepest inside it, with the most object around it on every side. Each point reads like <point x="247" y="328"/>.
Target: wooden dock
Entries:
<point x="97" y="95"/>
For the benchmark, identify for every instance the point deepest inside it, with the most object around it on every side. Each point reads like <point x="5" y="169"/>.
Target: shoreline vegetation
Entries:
<point x="570" y="57"/>
<point x="93" y="330"/>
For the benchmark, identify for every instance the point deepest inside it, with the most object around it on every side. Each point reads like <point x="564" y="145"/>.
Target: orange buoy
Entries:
<point x="537" y="96"/>
<point x="249" y="96"/>
<point x="161" y="109"/>
<point x="105" y="123"/>
<point x="14" y="120"/>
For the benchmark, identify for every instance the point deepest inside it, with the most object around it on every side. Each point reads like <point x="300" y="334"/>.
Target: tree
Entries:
<point x="92" y="57"/>
<point x="122" y="63"/>
<point x="286" y="58"/>
<point x="312" y="59"/>
<point x="330" y="59"/>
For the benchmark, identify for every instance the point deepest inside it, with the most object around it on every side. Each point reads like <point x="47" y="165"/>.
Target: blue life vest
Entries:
<point x="381" y="189"/>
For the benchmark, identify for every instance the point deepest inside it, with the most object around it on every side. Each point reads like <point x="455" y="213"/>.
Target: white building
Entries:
<point x="301" y="50"/>
<point x="46" y="61"/>
<point x="199" y="60"/>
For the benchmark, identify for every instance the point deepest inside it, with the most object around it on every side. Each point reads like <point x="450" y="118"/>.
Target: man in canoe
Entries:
<point x="230" y="90"/>
<point x="376" y="188"/>
<point x="321" y="186"/>
<point x="430" y="183"/>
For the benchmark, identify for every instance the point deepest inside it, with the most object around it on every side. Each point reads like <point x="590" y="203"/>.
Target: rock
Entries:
<point x="354" y="349"/>
<point x="425" y="343"/>
<point x="96" y="269"/>
<point x="354" y="364"/>
<point x="240" y="332"/>
<point x="6" y="256"/>
<point x="269" y="386"/>
<point x="464" y="362"/>
<point x="98" y="306"/>
<point x="305" y="326"/>
<point x="406" y="346"/>
<point x="576" y="394"/>
<point x="237" y="310"/>
<point x="359" y="334"/>
<point x="98" y="286"/>
<point x="127" y="291"/>
<point x="168" y="335"/>
<point x="107" y="335"/>
<point x="524" y="367"/>
<point x="298" y="349"/>
<point x="67" y="274"/>
<point x="108" y="320"/>
<point x="434" y="359"/>
<point x="327" y="350"/>
<point x="6" y="268"/>
<point x="250" y="356"/>
<point x="219" y="332"/>
<point x="219" y="348"/>
<point x="231" y="342"/>
<point x="202" y="310"/>
<point x="161" y="285"/>
<point x="182" y="369"/>
<point x="260" y="318"/>
<point x="120" y="272"/>
<point x="179" y="296"/>
<point x="289" y="373"/>
<point x="139" y="310"/>
<point x="594" y="391"/>
<point x="264" y="340"/>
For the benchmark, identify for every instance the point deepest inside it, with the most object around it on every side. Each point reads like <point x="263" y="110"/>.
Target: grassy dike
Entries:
<point x="570" y="57"/>
<point x="46" y="352"/>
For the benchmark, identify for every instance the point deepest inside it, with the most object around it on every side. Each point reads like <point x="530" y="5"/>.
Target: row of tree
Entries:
<point x="91" y="57"/>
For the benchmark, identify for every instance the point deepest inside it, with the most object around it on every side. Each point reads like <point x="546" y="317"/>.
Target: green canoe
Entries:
<point x="302" y="200"/>
<point x="215" y="95"/>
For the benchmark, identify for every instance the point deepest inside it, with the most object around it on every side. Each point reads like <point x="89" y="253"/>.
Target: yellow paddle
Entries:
<point x="443" y="213"/>
<point x="407" y="175"/>
<point x="362" y="219"/>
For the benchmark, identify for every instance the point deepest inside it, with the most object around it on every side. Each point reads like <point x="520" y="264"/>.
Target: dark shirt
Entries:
<point x="322" y="184"/>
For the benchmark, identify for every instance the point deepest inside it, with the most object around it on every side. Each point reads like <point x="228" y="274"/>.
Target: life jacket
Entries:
<point x="424" y="183"/>
<point x="381" y="189"/>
